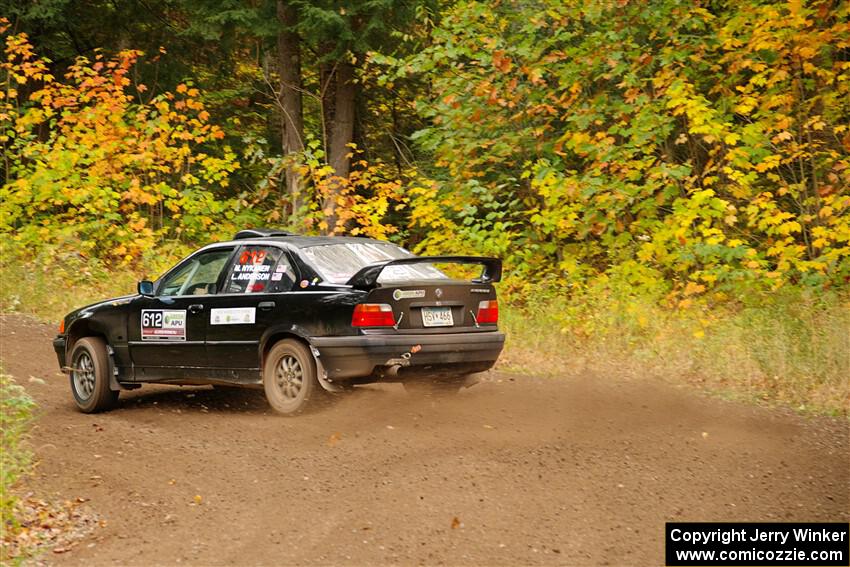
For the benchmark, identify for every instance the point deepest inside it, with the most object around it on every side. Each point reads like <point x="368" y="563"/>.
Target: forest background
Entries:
<point x="666" y="181"/>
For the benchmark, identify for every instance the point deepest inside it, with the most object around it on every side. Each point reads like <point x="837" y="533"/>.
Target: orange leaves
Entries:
<point x="502" y="62"/>
<point x="137" y="225"/>
<point x="693" y="288"/>
<point x="93" y="165"/>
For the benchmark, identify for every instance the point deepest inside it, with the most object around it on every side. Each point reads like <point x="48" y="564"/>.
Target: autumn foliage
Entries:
<point x="683" y="146"/>
<point x="92" y="164"/>
<point x="679" y="148"/>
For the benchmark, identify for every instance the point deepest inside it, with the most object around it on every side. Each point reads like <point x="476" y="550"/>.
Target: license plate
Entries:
<point x="437" y="317"/>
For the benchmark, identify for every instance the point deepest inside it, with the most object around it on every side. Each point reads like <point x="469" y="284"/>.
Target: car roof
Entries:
<point x="305" y="241"/>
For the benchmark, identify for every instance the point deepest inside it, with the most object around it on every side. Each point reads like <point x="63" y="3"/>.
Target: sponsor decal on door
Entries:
<point x="163" y="325"/>
<point x="233" y="316"/>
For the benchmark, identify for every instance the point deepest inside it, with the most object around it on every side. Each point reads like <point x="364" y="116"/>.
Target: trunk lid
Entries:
<point x="434" y="306"/>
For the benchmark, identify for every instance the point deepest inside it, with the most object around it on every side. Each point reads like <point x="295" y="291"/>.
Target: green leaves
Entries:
<point x="696" y="143"/>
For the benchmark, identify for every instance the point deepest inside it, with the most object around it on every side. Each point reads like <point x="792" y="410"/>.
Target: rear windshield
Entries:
<point x="336" y="263"/>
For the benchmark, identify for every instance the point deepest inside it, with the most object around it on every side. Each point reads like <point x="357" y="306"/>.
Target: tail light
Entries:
<point x="372" y="315"/>
<point x="488" y="311"/>
<point x="62" y="327"/>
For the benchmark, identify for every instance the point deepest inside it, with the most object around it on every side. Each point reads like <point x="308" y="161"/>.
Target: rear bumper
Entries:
<point x="361" y="356"/>
<point x="59" y="347"/>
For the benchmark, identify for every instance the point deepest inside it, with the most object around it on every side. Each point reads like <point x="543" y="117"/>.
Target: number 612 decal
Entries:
<point x="163" y="325"/>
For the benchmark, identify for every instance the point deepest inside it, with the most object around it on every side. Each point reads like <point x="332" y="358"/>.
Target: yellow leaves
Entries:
<point x="768" y="163"/>
<point x="806" y="52"/>
<point x="575" y="89"/>
<point x="181" y="88"/>
<point x="795" y="7"/>
<point x="820" y="242"/>
<point x="817" y="124"/>
<point x="782" y="136"/>
<point x="789" y="228"/>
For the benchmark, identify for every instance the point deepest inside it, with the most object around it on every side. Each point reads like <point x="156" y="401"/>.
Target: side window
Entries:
<point x="259" y="269"/>
<point x="198" y="276"/>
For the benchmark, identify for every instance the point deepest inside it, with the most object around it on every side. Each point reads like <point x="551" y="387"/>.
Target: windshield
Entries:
<point x="336" y="263"/>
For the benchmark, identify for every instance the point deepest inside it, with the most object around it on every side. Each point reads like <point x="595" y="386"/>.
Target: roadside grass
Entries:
<point x="16" y="413"/>
<point x="30" y="525"/>
<point x="50" y="286"/>
<point x="790" y="349"/>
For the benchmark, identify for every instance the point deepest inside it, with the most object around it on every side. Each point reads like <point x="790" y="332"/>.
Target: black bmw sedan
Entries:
<point x="296" y="315"/>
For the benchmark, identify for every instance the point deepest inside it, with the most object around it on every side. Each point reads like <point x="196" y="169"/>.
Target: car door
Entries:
<point x="253" y="293"/>
<point x="167" y="332"/>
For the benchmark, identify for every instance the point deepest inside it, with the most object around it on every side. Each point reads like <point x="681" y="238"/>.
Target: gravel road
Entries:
<point x="515" y="471"/>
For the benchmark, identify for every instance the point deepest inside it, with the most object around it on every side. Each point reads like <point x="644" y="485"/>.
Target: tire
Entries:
<point x="289" y="378"/>
<point x="90" y="376"/>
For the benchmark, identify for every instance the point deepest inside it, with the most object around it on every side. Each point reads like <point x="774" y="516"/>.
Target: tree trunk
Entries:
<point x="342" y="129"/>
<point x="292" y="118"/>
<point x="341" y="133"/>
<point x="327" y="76"/>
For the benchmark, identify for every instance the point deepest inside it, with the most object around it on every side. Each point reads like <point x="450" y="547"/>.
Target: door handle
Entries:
<point x="266" y="305"/>
<point x="196" y="308"/>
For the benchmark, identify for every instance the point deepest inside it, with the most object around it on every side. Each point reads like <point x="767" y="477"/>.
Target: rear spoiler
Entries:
<point x="367" y="277"/>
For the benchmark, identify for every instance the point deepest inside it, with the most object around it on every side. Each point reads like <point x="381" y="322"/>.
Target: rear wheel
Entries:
<point x="289" y="378"/>
<point x="90" y="376"/>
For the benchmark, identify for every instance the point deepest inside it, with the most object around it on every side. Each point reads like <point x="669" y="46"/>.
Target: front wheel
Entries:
<point x="90" y="376"/>
<point x="289" y="378"/>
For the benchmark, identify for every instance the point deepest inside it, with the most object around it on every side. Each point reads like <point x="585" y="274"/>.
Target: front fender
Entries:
<point x="83" y="325"/>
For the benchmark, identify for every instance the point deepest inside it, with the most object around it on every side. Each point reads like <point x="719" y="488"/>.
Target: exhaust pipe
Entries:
<point x="393" y="365"/>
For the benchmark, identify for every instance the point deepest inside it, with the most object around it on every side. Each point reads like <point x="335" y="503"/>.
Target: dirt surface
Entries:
<point x="514" y="471"/>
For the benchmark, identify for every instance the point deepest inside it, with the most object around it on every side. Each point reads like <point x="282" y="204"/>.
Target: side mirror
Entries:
<point x="145" y="288"/>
